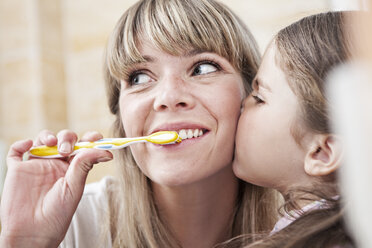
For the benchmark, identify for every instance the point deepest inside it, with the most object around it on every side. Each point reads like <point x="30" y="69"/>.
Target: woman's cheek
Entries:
<point x="133" y="113"/>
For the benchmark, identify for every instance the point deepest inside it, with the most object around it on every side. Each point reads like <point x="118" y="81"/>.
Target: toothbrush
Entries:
<point x="161" y="138"/>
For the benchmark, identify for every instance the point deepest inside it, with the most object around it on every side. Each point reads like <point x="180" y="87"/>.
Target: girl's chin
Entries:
<point x="238" y="170"/>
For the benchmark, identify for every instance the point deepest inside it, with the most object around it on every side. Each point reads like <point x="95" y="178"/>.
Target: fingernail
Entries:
<point x="65" y="147"/>
<point x="104" y="159"/>
<point x="50" y="137"/>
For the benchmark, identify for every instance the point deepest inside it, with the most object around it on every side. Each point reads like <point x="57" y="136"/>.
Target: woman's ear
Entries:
<point x="324" y="155"/>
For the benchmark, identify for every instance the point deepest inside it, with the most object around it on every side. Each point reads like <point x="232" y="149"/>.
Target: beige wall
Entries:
<point x="51" y="58"/>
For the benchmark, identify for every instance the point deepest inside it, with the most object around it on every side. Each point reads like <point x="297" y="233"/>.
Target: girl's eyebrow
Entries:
<point x="255" y="85"/>
<point x="259" y="83"/>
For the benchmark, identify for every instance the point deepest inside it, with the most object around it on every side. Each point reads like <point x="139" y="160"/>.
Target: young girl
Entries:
<point x="284" y="140"/>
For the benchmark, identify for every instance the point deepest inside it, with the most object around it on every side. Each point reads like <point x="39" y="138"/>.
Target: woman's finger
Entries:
<point x="80" y="166"/>
<point x="46" y="137"/>
<point x="17" y="150"/>
<point x="66" y="142"/>
<point x="91" y="136"/>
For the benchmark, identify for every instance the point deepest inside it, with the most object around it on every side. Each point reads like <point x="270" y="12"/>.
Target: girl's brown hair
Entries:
<point x="307" y="51"/>
<point x="175" y="27"/>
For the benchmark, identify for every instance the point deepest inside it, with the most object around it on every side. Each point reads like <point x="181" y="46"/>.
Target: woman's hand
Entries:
<point x="40" y="196"/>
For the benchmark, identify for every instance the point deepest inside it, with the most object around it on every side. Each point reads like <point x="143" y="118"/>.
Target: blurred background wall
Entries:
<point x="51" y="54"/>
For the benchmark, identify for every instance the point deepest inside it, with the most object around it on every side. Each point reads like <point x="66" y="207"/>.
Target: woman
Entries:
<point x="170" y="65"/>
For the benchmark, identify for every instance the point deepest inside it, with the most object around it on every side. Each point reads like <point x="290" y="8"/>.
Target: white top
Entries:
<point x="85" y="228"/>
<point x="294" y="214"/>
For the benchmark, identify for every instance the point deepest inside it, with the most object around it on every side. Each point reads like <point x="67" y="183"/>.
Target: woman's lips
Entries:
<point x="189" y="132"/>
<point x="188" y="136"/>
<point x="177" y="127"/>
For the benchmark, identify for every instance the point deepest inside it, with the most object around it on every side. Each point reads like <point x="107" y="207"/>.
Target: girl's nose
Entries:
<point x="173" y="94"/>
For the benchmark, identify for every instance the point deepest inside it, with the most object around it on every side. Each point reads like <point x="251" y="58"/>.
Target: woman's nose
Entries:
<point x="173" y="94"/>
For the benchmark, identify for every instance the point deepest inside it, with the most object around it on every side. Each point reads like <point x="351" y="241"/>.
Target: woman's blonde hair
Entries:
<point x="175" y="27"/>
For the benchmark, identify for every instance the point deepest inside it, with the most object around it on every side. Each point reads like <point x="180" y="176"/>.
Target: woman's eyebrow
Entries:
<point x="150" y="59"/>
<point x="193" y="52"/>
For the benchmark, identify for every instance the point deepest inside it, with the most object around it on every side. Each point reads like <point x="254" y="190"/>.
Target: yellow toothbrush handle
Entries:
<point x="105" y="144"/>
<point x="42" y="151"/>
<point x="161" y="138"/>
<point x="52" y="151"/>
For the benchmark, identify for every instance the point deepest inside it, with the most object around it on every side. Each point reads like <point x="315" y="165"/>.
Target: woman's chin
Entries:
<point x="187" y="175"/>
<point x="171" y="180"/>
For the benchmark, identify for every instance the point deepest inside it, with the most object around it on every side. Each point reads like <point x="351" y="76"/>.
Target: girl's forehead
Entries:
<point x="268" y="61"/>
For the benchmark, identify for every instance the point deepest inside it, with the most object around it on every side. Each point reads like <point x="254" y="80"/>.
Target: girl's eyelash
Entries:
<point x="257" y="99"/>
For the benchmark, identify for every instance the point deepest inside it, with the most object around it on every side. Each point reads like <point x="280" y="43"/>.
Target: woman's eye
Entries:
<point x="204" y="68"/>
<point x="139" y="78"/>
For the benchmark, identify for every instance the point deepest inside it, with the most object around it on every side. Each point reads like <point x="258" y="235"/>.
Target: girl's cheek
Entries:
<point x="243" y="117"/>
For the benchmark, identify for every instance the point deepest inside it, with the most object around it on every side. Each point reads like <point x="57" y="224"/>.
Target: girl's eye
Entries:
<point x="204" y="68"/>
<point x="257" y="99"/>
<point x="139" y="78"/>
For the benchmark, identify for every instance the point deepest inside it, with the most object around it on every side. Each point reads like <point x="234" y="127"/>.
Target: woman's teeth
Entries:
<point x="190" y="133"/>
